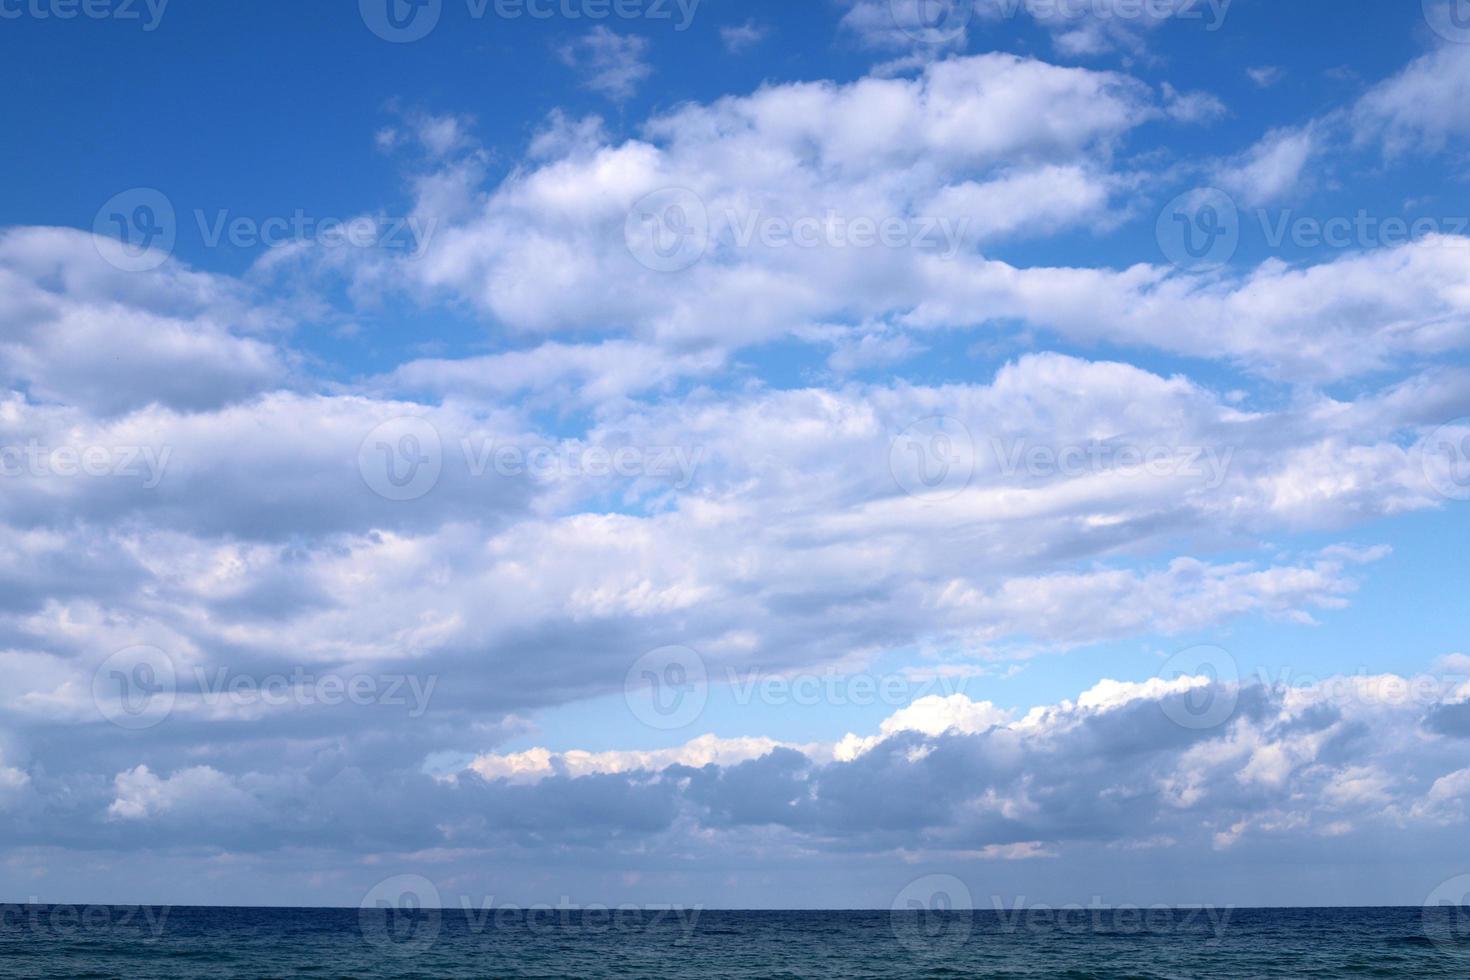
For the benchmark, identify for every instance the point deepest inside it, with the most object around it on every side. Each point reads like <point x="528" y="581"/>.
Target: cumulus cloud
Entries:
<point x="944" y="776"/>
<point x="1053" y="502"/>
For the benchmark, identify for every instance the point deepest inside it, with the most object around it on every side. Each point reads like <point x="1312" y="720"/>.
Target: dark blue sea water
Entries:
<point x="106" y="941"/>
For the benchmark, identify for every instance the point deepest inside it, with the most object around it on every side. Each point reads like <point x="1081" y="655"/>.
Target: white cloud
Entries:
<point x="739" y="38"/>
<point x="1266" y="76"/>
<point x="612" y="64"/>
<point x="1422" y="107"/>
<point x="1272" y="170"/>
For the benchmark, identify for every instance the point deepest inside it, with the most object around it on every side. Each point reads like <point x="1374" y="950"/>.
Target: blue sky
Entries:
<point x="932" y="411"/>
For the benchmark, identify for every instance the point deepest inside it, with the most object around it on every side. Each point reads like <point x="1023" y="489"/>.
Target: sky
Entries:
<point x="746" y="455"/>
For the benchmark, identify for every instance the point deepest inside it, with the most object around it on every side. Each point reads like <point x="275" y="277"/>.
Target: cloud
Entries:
<point x="1423" y="107"/>
<point x="943" y="777"/>
<point x="739" y="38"/>
<point x="1192" y="107"/>
<point x="1000" y="148"/>
<point x="1266" y="76"/>
<point x="1272" y="170"/>
<point x="612" y="64"/>
<point x="79" y="331"/>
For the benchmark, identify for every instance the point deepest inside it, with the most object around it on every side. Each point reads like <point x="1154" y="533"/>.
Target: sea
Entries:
<point x="1080" y="943"/>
